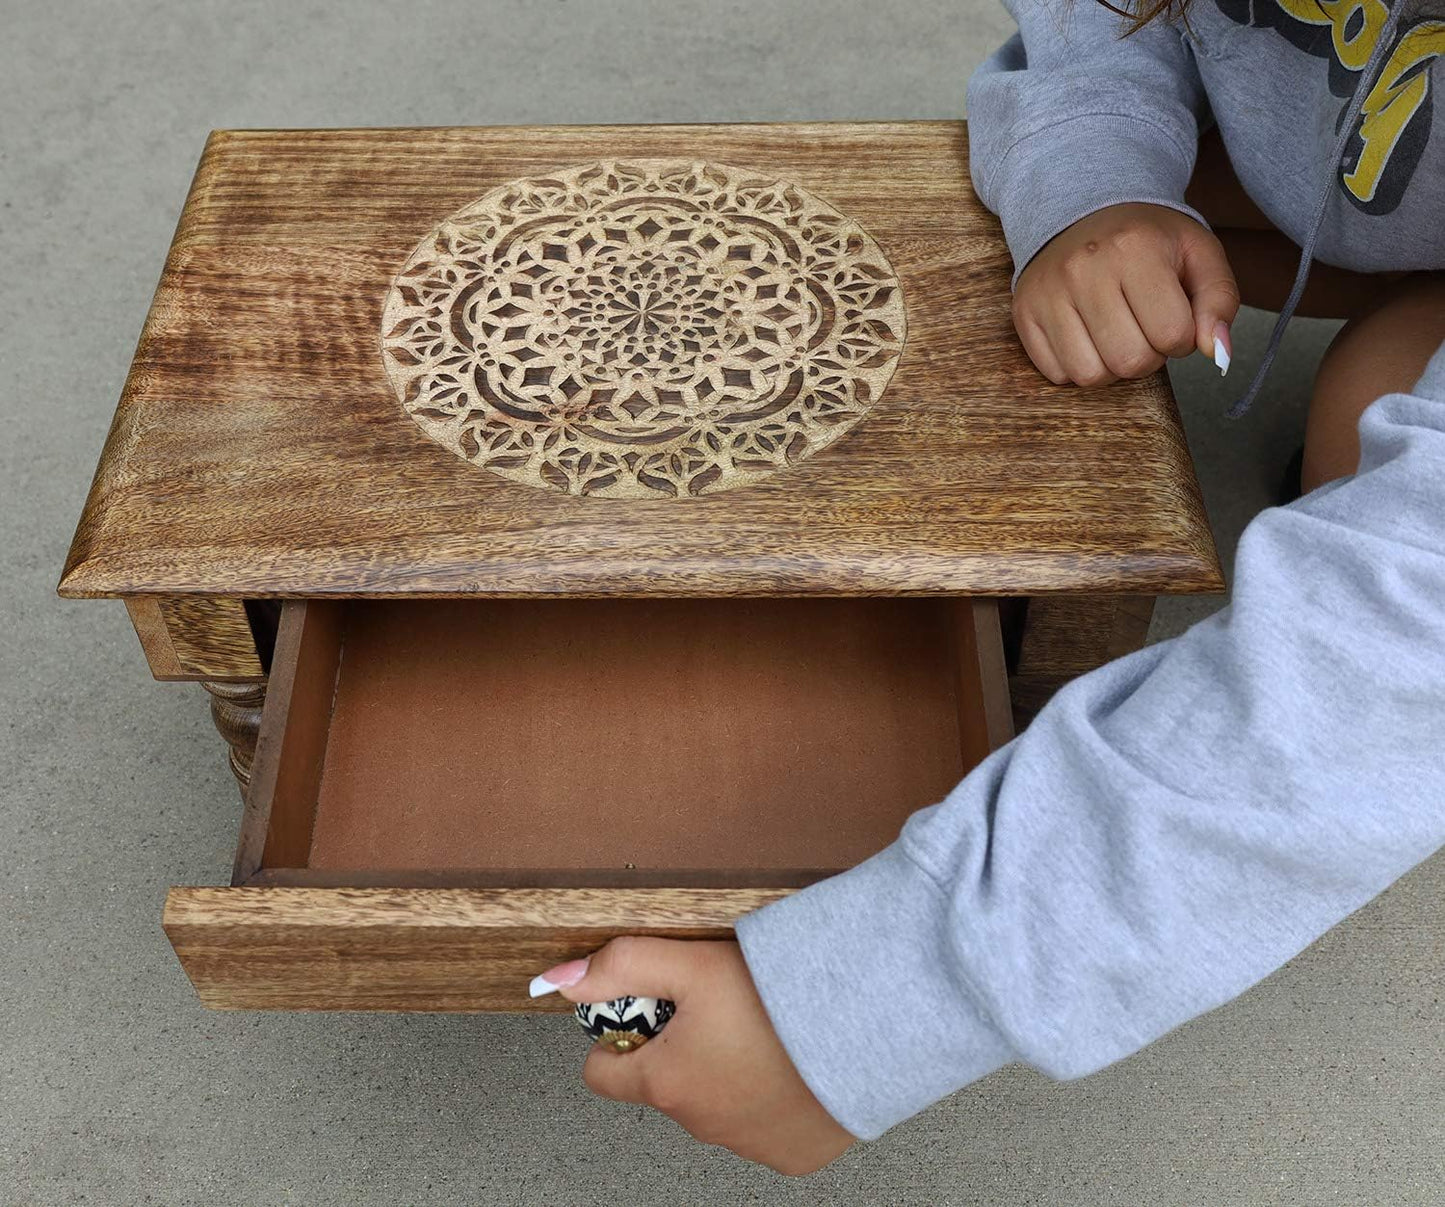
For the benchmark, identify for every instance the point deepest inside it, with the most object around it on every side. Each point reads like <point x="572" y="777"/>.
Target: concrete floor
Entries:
<point x="1326" y="1084"/>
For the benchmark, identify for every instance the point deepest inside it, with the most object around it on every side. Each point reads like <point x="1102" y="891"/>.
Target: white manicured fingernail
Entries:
<point x="557" y="978"/>
<point x="1221" y="348"/>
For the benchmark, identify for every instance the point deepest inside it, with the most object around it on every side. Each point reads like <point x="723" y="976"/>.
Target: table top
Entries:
<point x="615" y="360"/>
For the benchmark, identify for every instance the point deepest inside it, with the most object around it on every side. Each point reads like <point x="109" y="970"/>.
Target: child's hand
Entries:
<point x="1122" y="290"/>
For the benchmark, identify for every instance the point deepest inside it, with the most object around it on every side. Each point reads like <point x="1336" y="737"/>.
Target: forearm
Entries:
<point x="1169" y="830"/>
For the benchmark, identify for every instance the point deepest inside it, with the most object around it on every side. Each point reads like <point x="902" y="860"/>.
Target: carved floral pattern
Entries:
<point x="642" y="328"/>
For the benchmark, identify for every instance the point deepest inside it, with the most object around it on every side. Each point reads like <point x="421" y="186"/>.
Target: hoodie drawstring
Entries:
<point x="1307" y="252"/>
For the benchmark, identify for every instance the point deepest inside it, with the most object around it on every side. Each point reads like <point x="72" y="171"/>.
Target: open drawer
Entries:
<point x="450" y="796"/>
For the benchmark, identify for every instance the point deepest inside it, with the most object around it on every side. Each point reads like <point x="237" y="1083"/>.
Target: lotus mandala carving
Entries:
<point x="642" y="328"/>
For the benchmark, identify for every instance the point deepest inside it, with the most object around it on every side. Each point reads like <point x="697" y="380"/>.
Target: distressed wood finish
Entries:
<point x="208" y="641"/>
<point x="265" y="448"/>
<point x="155" y="640"/>
<point x="196" y="638"/>
<point x="418" y="949"/>
<point x="212" y="638"/>
<point x="259" y="450"/>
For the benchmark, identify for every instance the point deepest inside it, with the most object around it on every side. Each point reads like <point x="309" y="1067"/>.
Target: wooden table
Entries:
<point x="607" y="530"/>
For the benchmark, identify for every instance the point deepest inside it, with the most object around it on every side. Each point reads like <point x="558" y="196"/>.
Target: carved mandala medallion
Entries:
<point x="642" y="328"/>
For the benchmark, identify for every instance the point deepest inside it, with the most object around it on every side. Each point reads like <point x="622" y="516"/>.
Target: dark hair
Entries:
<point x="1140" y="12"/>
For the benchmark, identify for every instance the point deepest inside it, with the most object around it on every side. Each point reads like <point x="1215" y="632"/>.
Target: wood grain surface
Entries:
<point x="236" y="710"/>
<point x="418" y="949"/>
<point x="259" y="449"/>
<point x="195" y="638"/>
<point x="212" y="637"/>
<point x="155" y="640"/>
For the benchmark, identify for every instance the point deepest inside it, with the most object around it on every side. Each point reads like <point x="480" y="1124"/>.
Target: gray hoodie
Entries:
<point x="1176" y="825"/>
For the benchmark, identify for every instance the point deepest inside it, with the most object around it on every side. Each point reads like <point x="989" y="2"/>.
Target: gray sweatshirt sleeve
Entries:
<point x="1170" y="829"/>
<point x="1041" y="107"/>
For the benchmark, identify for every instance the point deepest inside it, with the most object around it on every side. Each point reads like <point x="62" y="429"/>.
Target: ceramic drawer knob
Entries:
<point x="625" y="1023"/>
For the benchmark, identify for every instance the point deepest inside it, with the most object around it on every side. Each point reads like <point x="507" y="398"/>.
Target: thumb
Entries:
<point x="1209" y="282"/>
<point x="627" y="966"/>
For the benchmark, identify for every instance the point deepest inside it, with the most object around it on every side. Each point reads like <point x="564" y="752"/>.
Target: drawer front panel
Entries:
<point x="418" y="949"/>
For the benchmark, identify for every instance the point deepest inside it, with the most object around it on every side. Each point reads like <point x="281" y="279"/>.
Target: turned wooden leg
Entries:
<point x="236" y="710"/>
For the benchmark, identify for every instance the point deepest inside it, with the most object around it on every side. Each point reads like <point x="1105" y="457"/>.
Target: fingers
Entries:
<point x="1157" y="300"/>
<point x="1209" y="283"/>
<point x="622" y="1076"/>
<point x="719" y="1069"/>
<point x="1105" y="328"/>
<point x="1040" y="350"/>
<point x="1122" y="290"/>
<point x="1077" y="353"/>
<point x="1119" y="341"/>
<point x="1112" y="330"/>
<point x="640" y="967"/>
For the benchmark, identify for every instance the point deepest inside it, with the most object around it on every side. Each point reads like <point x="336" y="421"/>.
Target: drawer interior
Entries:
<point x="611" y="742"/>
